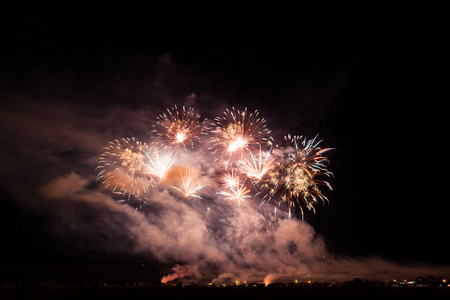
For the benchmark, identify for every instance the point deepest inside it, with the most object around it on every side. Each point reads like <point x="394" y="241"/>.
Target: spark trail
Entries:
<point x="159" y="161"/>
<point x="190" y="185"/>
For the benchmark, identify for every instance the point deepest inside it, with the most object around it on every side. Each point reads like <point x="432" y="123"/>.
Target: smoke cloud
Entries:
<point x="211" y="239"/>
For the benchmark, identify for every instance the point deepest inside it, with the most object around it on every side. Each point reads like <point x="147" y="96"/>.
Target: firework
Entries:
<point x="230" y="179"/>
<point x="258" y="165"/>
<point x="236" y="193"/>
<point x="234" y="184"/>
<point x="189" y="184"/>
<point x="159" y="161"/>
<point x="122" y="167"/>
<point x="237" y="131"/>
<point x="296" y="179"/>
<point x="179" y="127"/>
<point x="291" y="174"/>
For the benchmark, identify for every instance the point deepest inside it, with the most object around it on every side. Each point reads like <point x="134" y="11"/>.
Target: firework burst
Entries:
<point x="122" y="167"/>
<point x="296" y="179"/>
<point x="230" y="179"/>
<point x="258" y="165"/>
<point x="237" y="131"/>
<point x="179" y="127"/>
<point x="159" y="161"/>
<point x="234" y="184"/>
<point x="236" y="193"/>
<point x="189" y="184"/>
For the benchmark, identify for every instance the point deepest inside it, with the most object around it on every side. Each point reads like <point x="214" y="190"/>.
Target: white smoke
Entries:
<point x="211" y="239"/>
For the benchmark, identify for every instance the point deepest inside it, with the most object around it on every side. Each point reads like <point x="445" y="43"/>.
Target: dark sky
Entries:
<point x="369" y="83"/>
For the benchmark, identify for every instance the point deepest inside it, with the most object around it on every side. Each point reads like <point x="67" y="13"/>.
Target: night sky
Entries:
<point x="73" y="78"/>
